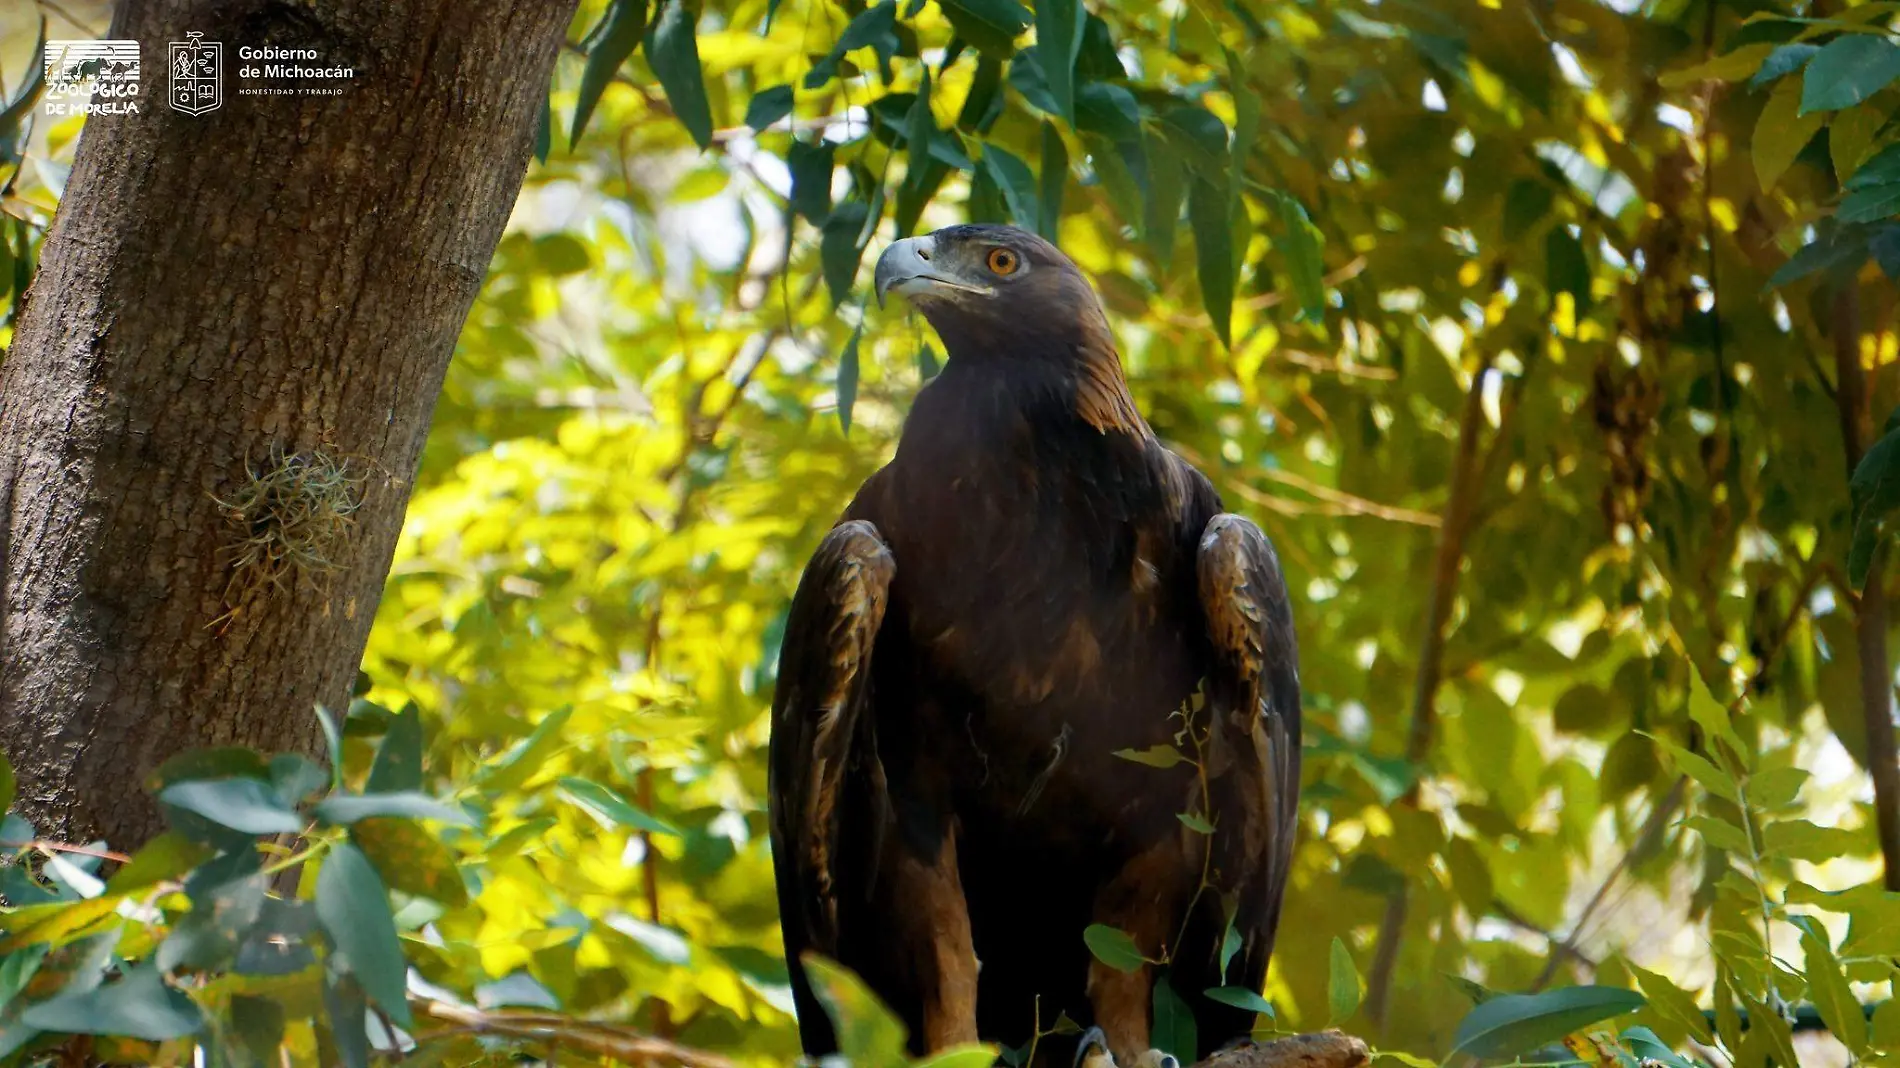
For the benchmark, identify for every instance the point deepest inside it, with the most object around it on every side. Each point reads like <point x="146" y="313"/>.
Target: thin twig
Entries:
<point x="602" y="1039"/>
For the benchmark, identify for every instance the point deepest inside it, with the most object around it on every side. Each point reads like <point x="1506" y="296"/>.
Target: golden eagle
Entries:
<point x="1032" y="586"/>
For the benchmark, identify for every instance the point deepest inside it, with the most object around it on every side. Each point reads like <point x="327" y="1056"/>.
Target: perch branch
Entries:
<point x="1321" y="1049"/>
<point x="1870" y="618"/>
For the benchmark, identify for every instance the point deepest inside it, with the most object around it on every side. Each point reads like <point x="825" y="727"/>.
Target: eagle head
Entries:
<point x="983" y="284"/>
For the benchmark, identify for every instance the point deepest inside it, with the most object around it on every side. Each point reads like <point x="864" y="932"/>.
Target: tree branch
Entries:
<point x="1452" y="535"/>
<point x="1870" y="617"/>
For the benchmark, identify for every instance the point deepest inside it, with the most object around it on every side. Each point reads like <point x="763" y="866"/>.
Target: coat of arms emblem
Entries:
<point x="196" y="65"/>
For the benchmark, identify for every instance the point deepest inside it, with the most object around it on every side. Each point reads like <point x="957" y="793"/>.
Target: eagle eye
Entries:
<point x="1003" y="261"/>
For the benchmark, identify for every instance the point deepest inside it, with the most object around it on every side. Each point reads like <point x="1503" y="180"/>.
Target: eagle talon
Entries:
<point x="1091" y="1050"/>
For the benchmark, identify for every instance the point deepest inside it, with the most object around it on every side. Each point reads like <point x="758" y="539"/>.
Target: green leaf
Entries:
<point x="1230" y="940"/>
<point x="1881" y="168"/>
<point x="1302" y="252"/>
<point x="811" y="167"/>
<point x="768" y="106"/>
<point x="1871" y="204"/>
<point x="991" y="25"/>
<point x="848" y="379"/>
<point x="1155" y="756"/>
<point x="1875" y="490"/>
<point x="258" y="1024"/>
<point x="1017" y="183"/>
<point x="348" y="1013"/>
<point x="410" y="858"/>
<point x="1059" y="25"/>
<point x="353" y="908"/>
<point x="1845" y="250"/>
<point x="869" y="1034"/>
<point x="606" y="805"/>
<point x="1697" y="767"/>
<point x="1241" y="998"/>
<point x="1213" y="253"/>
<point x="1113" y="947"/>
<point x="223" y="762"/>
<point x="333" y="743"/>
<point x="667" y="945"/>
<point x="1776" y="788"/>
<point x="1107" y="109"/>
<point x="875" y="28"/>
<point x="1193" y="822"/>
<point x="1885" y="246"/>
<point x="1200" y="138"/>
<point x="1828" y="987"/>
<point x="927" y="366"/>
<point x="1526" y="205"/>
<point x="139" y="1006"/>
<point x="612" y="42"/>
<point x="1055" y="175"/>
<point x="1174" y="1028"/>
<point x="294" y="777"/>
<point x="345" y="809"/>
<point x="398" y="763"/>
<point x="1806" y="840"/>
<point x="1720" y="833"/>
<point x="1167" y="184"/>
<point x="1848" y="70"/>
<point x="1342" y="985"/>
<point x="1673" y="1003"/>
<point x="165" y="857"/>
<point x="1567" y="268"/>
<point x="525" y="757"/>
<point x="1517" y="1023"/>
<point x="7" y="784"/>
<point x="673" y="52"/>
<point x="1647" y="1047"/>
<point x="1781" y="133"/>
<point x="1783" y="61"/>
<point x="245" y="805"/>
<point x="838" y="250"/>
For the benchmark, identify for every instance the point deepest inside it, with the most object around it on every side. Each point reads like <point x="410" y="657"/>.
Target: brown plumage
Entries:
<point x="1031" y="585"/>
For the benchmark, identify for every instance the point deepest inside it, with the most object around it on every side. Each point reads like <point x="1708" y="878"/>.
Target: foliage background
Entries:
<point x="1556" y="474"/>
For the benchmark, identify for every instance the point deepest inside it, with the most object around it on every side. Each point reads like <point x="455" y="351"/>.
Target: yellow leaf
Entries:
<point x="1781" y="133"/>
<point x="1851" y="134"/>
<point x="1724" y="68"/>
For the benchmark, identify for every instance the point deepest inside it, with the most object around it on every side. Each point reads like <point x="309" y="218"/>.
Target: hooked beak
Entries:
<point x="907" y="266"/>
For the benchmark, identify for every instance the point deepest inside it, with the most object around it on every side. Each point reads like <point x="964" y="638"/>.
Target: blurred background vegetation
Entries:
<point x="1469" y="304"/>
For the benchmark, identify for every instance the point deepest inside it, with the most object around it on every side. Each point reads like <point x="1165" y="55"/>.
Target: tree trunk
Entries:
<point x="214" y="406"/>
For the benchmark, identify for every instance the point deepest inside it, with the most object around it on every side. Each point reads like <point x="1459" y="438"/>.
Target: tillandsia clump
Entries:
<point x="292" y="517"/>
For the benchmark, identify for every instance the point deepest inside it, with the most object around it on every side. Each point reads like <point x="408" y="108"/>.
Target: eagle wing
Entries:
<point x="821" y="745"/>
<point x="1253" y="690"/>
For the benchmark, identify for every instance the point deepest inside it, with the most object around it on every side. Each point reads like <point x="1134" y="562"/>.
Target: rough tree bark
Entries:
<point x="283" y="277"/>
